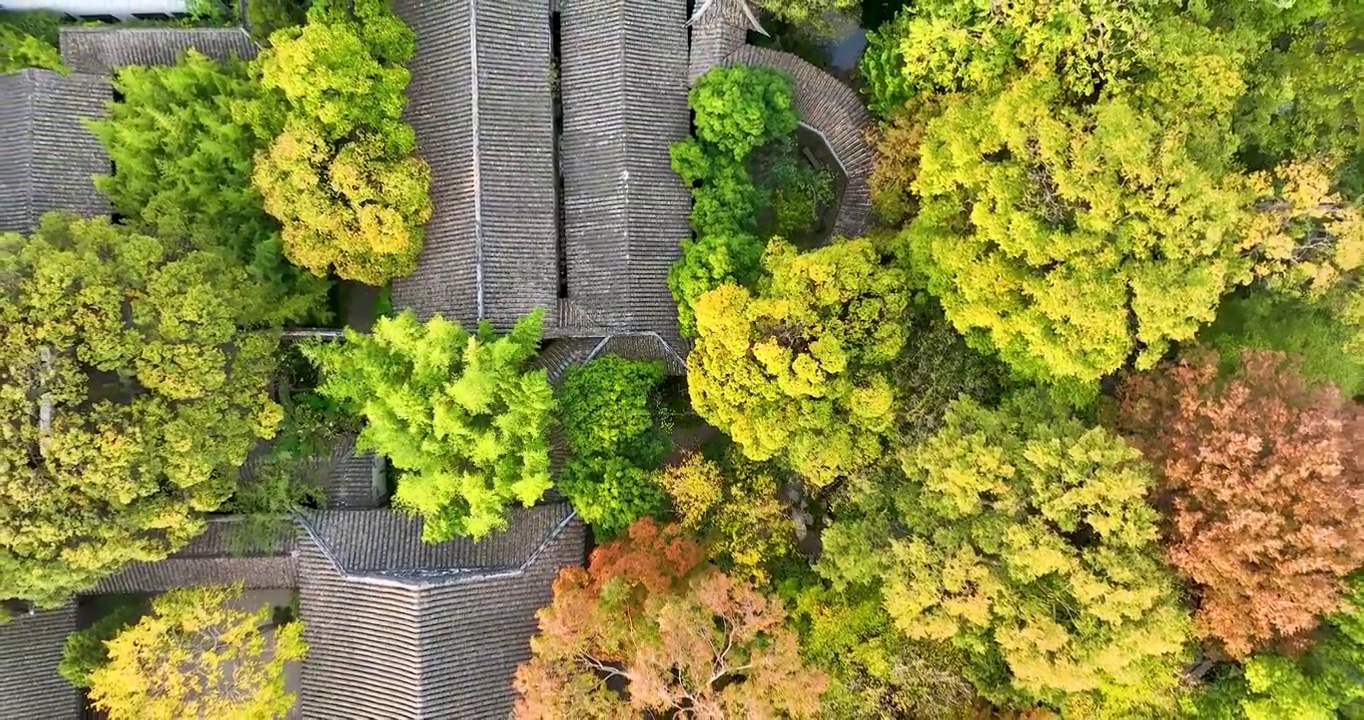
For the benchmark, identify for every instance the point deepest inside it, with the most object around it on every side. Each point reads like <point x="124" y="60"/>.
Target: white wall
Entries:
<point x="117" y="8"/>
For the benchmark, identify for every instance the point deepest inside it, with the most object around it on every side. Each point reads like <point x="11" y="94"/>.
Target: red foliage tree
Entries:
<point x="1263" y="485"/>
<point x="649" y="628"/>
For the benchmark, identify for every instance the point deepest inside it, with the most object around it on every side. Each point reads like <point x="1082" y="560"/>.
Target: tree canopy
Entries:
<point x="1023" y="537"/>
<point x="1262" y="474"/>
<point x="19" y="50"/>
<point x="455" y="411"/>
<point x="195" y="655"/>
<point x="1090" y="178"/>
<point x="181" y="139"/>
<point x="649" y="613"/>
<point x="608" y="411"/>
<point x="341" y="177"/>
<point x="796" y="369"/>
<point x="133" y="388"/>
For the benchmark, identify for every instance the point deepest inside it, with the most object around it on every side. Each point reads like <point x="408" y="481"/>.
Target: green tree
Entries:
<point x="182" y="139"/>
<point x="708" y="262"/>
<point x="1313" y="331"/>
<point x="19" y="50"/>
<point x="937" y="367"/>
<point x="608" y="411"/>
<point x="806" y="12"/>
<point x="132" y="390"/>
<point x="875" y="671"/>
<point x="454" y="411"/>
<point x="796" y="369"/>
<point x="733" y="506"/>
<point x="341" y="177"/>
<point x="742" y="107"/>
<point x="264" y="17"/>
<point x="1071" y="240"/>
<point x="1022" y="536"/>
<point x="196" y="655"/>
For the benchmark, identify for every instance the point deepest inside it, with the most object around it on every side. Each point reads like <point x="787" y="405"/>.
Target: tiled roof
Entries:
<point x="835" y="111"/>
<point x="384" y="544"/>
<point x="717" y="31"/>
<point x="624" y="81"/>
<point x="47" y="156"/>
<point x="103" y="50"/>
<point x="30" y="648"/>
<point x="383" y="648"/>
<point x="219" y="556"/>
<point x="481" y="104"/>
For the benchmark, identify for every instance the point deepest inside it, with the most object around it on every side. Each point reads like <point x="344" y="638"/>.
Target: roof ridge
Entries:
<point x="476" y="157"/>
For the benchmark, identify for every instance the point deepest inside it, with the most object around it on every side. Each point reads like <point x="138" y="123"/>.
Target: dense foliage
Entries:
<point x="1023" y="537"/>
<point x="1326" y="682"/>
<point x="1313" y="332"/>
<point x="737" y="110"/>
<point x="19" y="50"/>
<point x="650" y="615"/>
<point x="341" y="176"/>
<point x="1263" y="477"/>
<point x="708" y="262"/>
<point x="181" y="139"/>
<point x="875" y="670"/>
<point x="87" y="650"/>
<point x="608" y="411"/>
<point x="733" y="507"/>
<point x="264" y="17"/>
<point x="196" y="655"/>
<point x="133" y="387"/>
<point x="797" y="369"/>
<point x="455" y="411"/>
<point x="1088" y="179"/>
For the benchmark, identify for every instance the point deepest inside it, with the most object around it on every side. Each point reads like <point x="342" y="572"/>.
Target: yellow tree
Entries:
<point x="198" y="655"/>
<point x="797" y="370"/>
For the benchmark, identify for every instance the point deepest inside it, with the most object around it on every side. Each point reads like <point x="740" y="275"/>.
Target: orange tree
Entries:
<point x="1262" y="477"/>
<point x="649" y="617"/>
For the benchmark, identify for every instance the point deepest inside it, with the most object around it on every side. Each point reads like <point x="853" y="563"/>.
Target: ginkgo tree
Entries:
<point x="456" y="411"/>
<point x="198" y="655"/>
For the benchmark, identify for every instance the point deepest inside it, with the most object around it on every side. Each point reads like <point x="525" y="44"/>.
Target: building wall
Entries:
<point x="122" y="9"/>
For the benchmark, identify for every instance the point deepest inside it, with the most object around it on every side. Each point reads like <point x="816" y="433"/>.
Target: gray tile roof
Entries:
<point x="30" y="648"/>
<point x="624" y="80"/>
<point x="381" y="647"/>
<point x="387" y="545"/>
<point x="836" y="112"/>
<point x="47" y="156"/>
<point x="103" y="50"/>
<point x="717" y="31"/>
<point x="219" y="556"/>
<point x="481" y="104"/>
